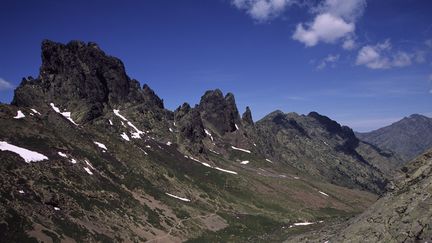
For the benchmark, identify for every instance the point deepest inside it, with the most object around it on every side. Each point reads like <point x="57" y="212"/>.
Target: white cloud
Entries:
<point x="326" y="28"/>
<point x="428" y="43"/>
<point x="263" y="10"/>
<point x="349" y="10"/>
<point x="5" y="85"/>
<point x="334" y="20"/>
<point x="380" y="56"/>
<point x="349" y="44"/>
<point x="329" y="60"/>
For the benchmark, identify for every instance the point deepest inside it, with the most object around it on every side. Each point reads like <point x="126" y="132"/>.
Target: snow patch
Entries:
<point x="62" y="154"/>
<point x="27" y="155"/>
<point x="110" y="122"/>
<point x="21" y="191"/>
<point x="35" y="111"/>
<point x="125" y="136"/>
<point x="137" y="133"/>
<point x="19" y="115"/>
<point x="269" y="161"/>
<point x="88" y="163"/>
<point x="227" y="171"/>
<point x="180" y="198"/>
<point x="88" y="170"/>
<point x="303" y="223"/>
<point x="208" y="134"/>
<point x="213" y="151"/>
<point x="73" y="161"/>
<point x="100" y="145"/>
<point x="117" y="113"/>
<point x="56" y="208"/>
<point x="240" y="149"/>
<point x="207" y="165"/>
<point x="168" y="143"/>
<point x="65" y="114"/>
<point x="171" y="130"/>
<point x="323" y="193"/>
<point x="244" y="162"/>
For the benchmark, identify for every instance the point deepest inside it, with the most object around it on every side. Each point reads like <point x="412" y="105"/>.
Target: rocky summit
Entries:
<point x="88" y="155"/>
<point x="407" y="138"/>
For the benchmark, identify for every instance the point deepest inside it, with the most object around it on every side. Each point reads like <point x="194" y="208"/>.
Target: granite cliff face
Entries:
<point x="120" y="167"/>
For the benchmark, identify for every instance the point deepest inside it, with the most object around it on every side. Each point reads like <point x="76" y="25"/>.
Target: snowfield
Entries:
<point x="27" y="155"/>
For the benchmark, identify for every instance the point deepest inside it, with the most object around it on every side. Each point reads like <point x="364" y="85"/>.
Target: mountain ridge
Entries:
<point x="408" y="137"/>
<point x="195" y="173"/>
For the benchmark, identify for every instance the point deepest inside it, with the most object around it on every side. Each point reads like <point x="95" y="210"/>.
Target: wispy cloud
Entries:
<point x="382" y="56"/>
<point x="5" y="85"/>
<point x="263" y="10"/>
<point x="329" y="60"/>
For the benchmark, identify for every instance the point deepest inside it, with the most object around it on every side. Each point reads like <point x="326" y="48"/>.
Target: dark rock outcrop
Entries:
<point x="190" y="128"/>
<point x="219" y="112"/>
<point x="81" y="77"/>
<point x="247" y="117"/>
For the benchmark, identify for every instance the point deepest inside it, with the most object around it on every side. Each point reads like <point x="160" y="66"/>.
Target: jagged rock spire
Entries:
<point x="247" y="117"/>
<point x="81" y="77"/>
<point x="219" y="112"/>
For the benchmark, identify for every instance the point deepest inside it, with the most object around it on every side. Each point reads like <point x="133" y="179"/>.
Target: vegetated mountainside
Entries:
<point x="408" y="137"/>
<point x="402" y="215"/>
<point x="88" y="155"/>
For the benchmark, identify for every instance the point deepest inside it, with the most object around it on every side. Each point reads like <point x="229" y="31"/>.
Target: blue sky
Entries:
<point x="362" y="63"/>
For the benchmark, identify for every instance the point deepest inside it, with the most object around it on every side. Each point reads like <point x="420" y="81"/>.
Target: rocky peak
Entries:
<point x="191" y="129"/>
<point x="151" y="97"/>
<point x="80" y="77"/>
<point x="219" y="112"/>
<point x="247" y="117"/>
<point x="334" y="128"/>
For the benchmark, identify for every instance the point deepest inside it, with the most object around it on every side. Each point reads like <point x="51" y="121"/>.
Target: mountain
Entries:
<point x="402" y="215"/>
<point x="408" y="137"/>
<point x="88" y="155"/>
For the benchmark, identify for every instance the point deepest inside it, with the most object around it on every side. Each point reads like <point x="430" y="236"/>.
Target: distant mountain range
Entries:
<point x="407" y="138"/>
<point x="88" y="155"/>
